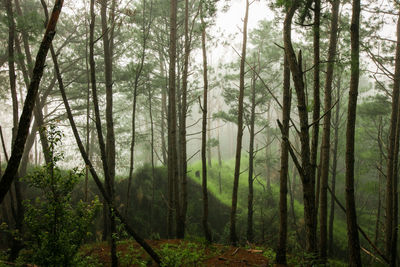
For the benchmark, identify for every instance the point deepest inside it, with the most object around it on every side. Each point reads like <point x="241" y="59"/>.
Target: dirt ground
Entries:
<point x="130" y="254"/>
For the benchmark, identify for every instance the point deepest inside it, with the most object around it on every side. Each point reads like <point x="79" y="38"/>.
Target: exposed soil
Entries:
<point x="130" y="253"/>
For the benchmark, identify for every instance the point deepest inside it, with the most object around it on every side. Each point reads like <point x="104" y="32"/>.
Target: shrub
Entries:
<point x="55" y="228"/>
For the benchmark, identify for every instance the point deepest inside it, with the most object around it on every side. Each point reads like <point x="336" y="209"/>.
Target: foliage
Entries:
<point x="129" y="257"/>
<point x="181" y="255"/>
<point x="55" y="228"/>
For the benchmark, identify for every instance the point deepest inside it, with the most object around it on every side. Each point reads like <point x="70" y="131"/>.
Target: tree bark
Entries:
<point x="325" y="145"/>
<point x="316" y="97"/>
<point x="392" y="255"/>
<point x="286" y="105"/>
<point x="206" y="229"/>
<point x="138" y="72"/>
<point x="233" y="236"/>
<point x="27" y="73"/>
<point x="351" y="214"/>
<point x="306" y="170"/>
<point x="173" y="192"/>
<point x="250" y="197"/>
<point x="79" y="142"/>
<point x="182" y="130"/>
<point x="334" y="168"/>
<point x="25" y="119"/>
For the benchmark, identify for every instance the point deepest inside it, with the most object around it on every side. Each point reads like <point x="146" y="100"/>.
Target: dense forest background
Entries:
<point x="160" y="120"/>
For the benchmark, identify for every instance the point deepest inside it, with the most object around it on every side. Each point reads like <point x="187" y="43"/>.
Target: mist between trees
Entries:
<point x="158" y="124"/>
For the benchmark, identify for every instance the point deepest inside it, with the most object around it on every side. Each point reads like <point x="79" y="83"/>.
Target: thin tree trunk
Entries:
<point x="316" y="98"/>
<point x="233" y="236"/>
<point x="325" y="146"/>
<point x="250" y="209"/>
<point x="173" y="192"/>
<point x="351" y="214"/>
<point x="394" y="190"/>
<point x="152" y="156"/>
<point x="19" y="214"/>
<point x="206" y="229"/>
<point x="163" y="114"/>
<point x="334" y="168"/>
<point x="87" y="107"/>
<point x="78" y="140"/>
<point x="138" y="72"/>
<point x="182" y="130"/>
<point x="378" y="215"/>
<point x="306" y="170"/>
<point x="209" y="156"/>
<point x="281" y="250"/>
<point x="107" y="36"/>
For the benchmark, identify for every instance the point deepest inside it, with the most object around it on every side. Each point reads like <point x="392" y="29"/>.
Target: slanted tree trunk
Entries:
<point x="286" y="105"/>
<point x="86" y="156"/>
<point x="25" y="119"/>
<point x="233" y="236"/>
<point x="173" y="192"/>
<point x="27" y="77"/>
<point x="352" y="229"/>
<point x="325" y="146"/>
<point x="206" y="229"/>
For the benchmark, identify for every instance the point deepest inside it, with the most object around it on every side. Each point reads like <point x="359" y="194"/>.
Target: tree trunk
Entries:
<point x="233" y="236"/>
<point x="78" y="140"/>
<point x="19" y="214"/>
<point x="325" y="146"/>
<point x="394" y="190"/>
<point x="306" y="170"/>
<point x="206" y="229"/>
<point x="25" y="119"/>
<point x="27" y="77"/>
<point x="352" y="231"/>
<point x="316" y="97"/>
<point x="87" y="108"/>
<point x="286" y="105"/>
<point x="250" y="208"/>
<point x="209" y="156"/>
<point x="173" y="192"/>
<point x="182" y="129"/>
<point x="334" y="167"/>
<point x="138" y="72"/>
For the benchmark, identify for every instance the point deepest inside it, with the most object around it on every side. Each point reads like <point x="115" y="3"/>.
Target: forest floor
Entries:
<point x="177" y="252"/>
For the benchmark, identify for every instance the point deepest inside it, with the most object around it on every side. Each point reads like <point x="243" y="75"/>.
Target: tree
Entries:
<point x="281" y="250"/>
<point x="144" y="34"/>
<point x="393" y="153"/>
<point x="352" y="228"/>
<point x="306" y="169"/>
<point x="325" y="145"/>
<point x="173" y="192"/>
<point x="25" y="119"/>
<point x="233" y="236"/>
<point x="206" y="228"/>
